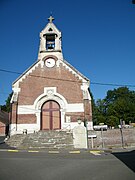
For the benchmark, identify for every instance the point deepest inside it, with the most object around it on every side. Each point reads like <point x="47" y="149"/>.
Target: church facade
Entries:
<point x="51" y="94"/>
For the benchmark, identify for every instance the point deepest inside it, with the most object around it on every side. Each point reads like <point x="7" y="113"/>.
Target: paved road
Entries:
<point x="65" y="166"/>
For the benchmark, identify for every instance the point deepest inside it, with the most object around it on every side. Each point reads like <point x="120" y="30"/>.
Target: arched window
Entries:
<point x="50" y="41"/>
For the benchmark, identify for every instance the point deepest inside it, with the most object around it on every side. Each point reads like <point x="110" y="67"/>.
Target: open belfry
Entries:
<point x="51" y="94"/>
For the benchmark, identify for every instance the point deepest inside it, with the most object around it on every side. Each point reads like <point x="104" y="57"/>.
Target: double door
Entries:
<point x="50" y="119"/>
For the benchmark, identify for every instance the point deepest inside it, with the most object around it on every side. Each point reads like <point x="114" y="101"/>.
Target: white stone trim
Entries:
<point x="90" y="125"/>
<point x="30" y="109"/>
<point x="54" y="28"/>
<point x="49" y="90"/>
<point x="19" y="128"/>
<point x="16" y="89"/>
<point x="76" y="107"/>
<point x="71" y="125"/>
<point x="26" y="109"/>
<point x="84" y="88"/>
<point x="44" y="54"/>
<point x="32" y="128"/>
<point x="50" y="94"/>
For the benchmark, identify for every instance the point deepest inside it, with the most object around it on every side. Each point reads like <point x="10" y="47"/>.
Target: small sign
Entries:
<point x="92" y="136"/>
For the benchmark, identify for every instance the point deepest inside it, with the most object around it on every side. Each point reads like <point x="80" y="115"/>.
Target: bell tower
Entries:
<point x="50" y="41"/>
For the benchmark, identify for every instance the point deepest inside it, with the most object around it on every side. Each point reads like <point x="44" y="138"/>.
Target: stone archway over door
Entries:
<point x="50" y="119"/>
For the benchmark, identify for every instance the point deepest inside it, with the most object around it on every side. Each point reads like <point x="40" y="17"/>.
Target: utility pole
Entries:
<point x="122" y="139"/>
<point x="102" y="137"/>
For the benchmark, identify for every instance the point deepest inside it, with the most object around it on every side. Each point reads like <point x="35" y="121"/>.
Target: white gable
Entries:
<point x="50" y="28"/>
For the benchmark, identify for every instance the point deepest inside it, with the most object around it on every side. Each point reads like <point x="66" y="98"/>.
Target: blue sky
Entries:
<point x="98" y="39"/>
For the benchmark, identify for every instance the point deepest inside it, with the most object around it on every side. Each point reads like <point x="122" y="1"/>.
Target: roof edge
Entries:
<point x="25" y="72"/>
<point x="74" y="69"/>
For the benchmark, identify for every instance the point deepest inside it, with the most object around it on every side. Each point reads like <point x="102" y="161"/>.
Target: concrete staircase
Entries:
<point x="15" y="140"/>
<point x="42" y="140"/>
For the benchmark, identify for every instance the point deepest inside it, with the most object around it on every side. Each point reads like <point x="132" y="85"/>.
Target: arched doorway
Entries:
<point x="50" y="118"/>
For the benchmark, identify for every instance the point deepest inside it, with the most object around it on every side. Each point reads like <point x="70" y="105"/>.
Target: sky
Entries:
<point x="98" y="39"/>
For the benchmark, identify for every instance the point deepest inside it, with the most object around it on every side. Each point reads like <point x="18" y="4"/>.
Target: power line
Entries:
<point x="92" y="83"/>
<point x="37" y="76"/>
<point x="111" y="84"/>
<point x="8" y="71"/>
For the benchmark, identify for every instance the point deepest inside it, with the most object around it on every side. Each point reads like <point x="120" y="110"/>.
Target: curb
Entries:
<point x="73" y="151"/>
<point x="95" y="152"/>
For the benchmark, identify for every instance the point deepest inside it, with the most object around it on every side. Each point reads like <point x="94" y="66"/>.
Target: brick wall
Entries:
<point x="33" y="85"/>
<point x="14" y="113"/>
<point x="112" y="138"/>
<point x="75" y="116"/>
<point x="87" y="109"/>
<point x="2" y="128"/>
<point x="66" y="83"/>
<point x="26" y="118"/>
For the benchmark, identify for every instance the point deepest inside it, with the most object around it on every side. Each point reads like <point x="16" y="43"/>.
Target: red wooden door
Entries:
<point x="50" y="116"/>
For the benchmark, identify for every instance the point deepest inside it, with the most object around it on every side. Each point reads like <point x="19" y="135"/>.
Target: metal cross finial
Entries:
<point x="50" y="19"/>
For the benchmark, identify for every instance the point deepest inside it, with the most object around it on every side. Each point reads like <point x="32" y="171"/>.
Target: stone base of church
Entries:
<point x="32" y="128"/>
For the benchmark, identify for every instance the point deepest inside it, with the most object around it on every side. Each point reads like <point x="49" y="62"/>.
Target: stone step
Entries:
<point x="42" y="140"/>
<point x="15" y="140"/>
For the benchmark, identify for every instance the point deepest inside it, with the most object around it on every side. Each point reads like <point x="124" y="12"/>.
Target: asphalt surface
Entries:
<point x="86" y="165"/>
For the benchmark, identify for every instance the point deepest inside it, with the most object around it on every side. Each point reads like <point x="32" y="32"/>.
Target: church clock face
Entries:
<point x="50" y="63"/>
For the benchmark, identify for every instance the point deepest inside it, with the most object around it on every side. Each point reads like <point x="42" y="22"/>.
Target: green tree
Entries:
<point x="112" y="121"/>
<point x="6" y="107"/>
<point x="99" y="112"/>
<point x="93" y="106"/>
<point x="118" y="104"/>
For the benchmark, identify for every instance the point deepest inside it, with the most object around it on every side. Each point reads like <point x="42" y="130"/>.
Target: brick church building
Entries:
<point x="51" y="94"/>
